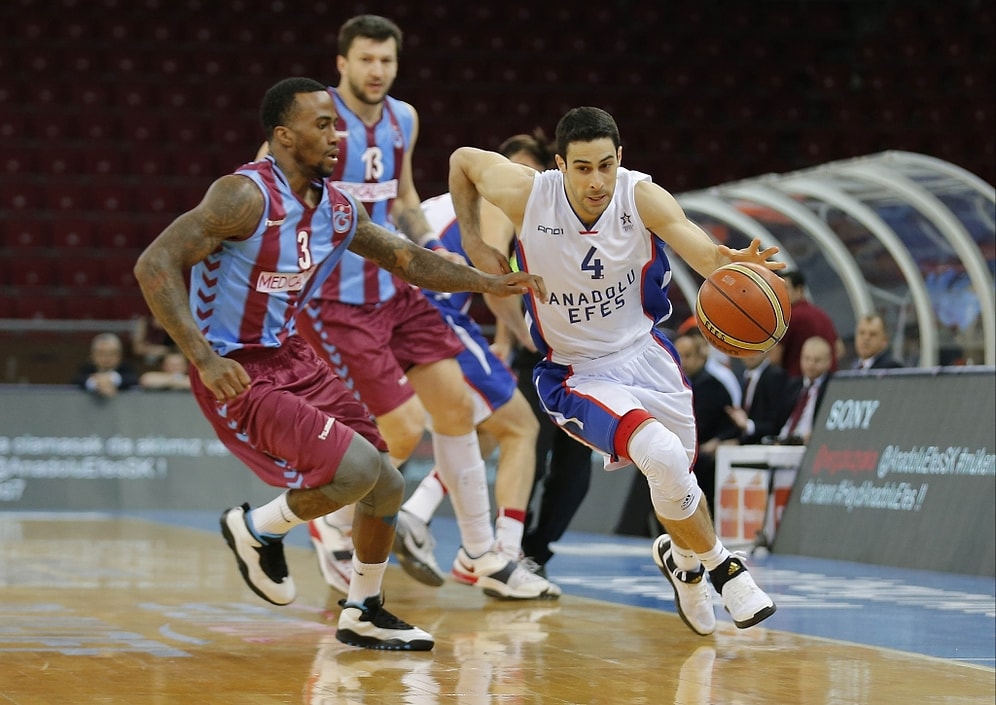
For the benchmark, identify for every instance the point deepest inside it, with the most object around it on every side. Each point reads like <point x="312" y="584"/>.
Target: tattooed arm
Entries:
<point x="230" y="210"/>
<point x="426" y="269"/>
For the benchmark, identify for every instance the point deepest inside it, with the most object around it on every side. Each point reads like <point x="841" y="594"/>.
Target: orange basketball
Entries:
<point x="743" y="309"/>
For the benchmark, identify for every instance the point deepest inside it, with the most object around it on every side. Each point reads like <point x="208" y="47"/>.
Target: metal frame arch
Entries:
<point x="966" y="177"/>
<point x="720" y="209"/>
<point x="849" y="273"/>
<point x="951" y="228"/>
<point x="810" y="186"/>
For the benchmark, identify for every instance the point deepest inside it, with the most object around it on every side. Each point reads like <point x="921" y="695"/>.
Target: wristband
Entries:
<point x="433" y="243"/>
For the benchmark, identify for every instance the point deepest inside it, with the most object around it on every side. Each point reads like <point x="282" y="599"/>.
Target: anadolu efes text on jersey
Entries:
<point x="607" y="284"/>
<point x="246" y="293"/>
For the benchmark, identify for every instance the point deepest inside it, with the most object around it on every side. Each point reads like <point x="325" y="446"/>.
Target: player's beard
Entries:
<point x="365" y="96"/>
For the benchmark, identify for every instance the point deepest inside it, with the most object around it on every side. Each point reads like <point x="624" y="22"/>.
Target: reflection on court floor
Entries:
<point x="102" y="609"/>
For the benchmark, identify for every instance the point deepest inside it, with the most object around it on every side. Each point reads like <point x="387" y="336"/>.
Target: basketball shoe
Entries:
<point x="413" y="547"/>
<point x="334" y="548"/>
<point x="692" y="594"/>
<point x="262" y="565"/>
<point x="503" y="578"/>
<point x="742" y="598"/>
<point x="370" y="626"/>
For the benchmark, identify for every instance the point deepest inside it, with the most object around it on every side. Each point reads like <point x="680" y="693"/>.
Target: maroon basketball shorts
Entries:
<point x="372" y="346"/>
<point x="294" y="423"/>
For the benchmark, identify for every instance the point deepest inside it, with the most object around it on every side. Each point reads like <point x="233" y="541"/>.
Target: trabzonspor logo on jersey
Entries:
<point x="342" y="216"/>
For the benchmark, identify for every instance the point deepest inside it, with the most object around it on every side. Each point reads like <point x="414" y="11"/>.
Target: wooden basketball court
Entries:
<point x="101" y="609"/>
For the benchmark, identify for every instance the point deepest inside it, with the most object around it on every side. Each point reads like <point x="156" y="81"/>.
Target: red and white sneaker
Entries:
<point x="334" y="546"/>
<point x="503" y="578"/>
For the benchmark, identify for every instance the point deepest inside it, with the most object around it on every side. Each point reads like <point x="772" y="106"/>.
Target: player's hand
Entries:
<point x="225" y="378"/>
<point x="738" y="416"/>
<point x="754" y="253"/>
<point x="518" y="283"/>
<point x="487" y="258"/>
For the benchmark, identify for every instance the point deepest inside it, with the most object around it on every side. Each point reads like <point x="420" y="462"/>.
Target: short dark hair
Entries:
<point x="535" y="144"/>
<point x="369" y="27"/>
<point x="794" y="277"/>
<point x="586" y="124"/>
<point x="278" y="102"/>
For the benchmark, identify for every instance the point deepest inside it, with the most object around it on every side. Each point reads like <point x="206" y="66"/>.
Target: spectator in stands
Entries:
<point x="808" y="391"/>
<point x="717" y="364"/>
<point x="807" y="320"/>
<point x="107" y="372"/>
<point x="149" y="342"/>
<point x="871" y="345"/>
<point x="767" y="399"/>
<point x="172" y="374"/>
<point x="710" y="399"/>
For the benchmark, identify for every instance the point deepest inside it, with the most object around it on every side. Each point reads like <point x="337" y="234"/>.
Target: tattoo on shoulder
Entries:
<point x="232" y="207"/>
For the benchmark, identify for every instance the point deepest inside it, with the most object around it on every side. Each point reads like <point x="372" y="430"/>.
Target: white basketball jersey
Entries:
<point x="607" y="285"/>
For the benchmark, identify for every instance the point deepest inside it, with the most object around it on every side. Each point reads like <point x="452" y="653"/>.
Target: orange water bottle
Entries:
<point x="755" y="500"/>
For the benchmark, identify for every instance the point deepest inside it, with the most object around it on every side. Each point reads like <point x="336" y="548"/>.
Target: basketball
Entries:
<point x="743" y="309"/>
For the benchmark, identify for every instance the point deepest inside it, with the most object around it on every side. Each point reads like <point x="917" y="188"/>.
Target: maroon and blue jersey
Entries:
<point x="246" y="293"/>
<point x="369" y="168"/>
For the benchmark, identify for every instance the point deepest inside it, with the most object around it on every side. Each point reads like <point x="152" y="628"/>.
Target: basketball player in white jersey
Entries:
<point x="596" y="233"/>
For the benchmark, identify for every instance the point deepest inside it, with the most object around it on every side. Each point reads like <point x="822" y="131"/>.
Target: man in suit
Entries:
<point x="106" y="372"/>
<point x="710" y="400"/>
<point x="808" y="390"/>
<point x="808" y="320"/>
<point x="767" y="399"/>
<point x="871" y="345"/>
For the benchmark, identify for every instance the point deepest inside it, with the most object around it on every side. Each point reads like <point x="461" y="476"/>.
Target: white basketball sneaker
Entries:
<point x="692" y="593"/>
<point x="742" y="598"/>
<point x="503" y="578"/>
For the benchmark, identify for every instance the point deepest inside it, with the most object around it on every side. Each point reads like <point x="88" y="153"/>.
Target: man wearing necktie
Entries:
<point x="767" y="399"/>
<point x="815" y="363"/>
<point x="871" y="345"/>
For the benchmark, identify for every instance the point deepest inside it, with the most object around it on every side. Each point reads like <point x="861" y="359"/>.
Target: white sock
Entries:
<point x="366" y="581"/>
<point x="714" y="557"/>
<point x="426" y="498"/>
<point x="273" y="520"/>
<point x="684" y="558"/>
<point x="461" y="468"/>
<point x="508" y="532"/>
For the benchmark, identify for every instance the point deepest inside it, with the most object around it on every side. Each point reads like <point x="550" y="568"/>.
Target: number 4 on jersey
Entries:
<point x="592" y="264"/>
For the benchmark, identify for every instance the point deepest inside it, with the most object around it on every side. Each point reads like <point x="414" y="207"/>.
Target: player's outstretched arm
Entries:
<point x="429" y="270"/>
<point x="476" y="174"/>
<point x="663" y="215"/>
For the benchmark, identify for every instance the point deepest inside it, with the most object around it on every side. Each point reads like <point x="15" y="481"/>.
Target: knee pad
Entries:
<point x="666" y="464"/>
